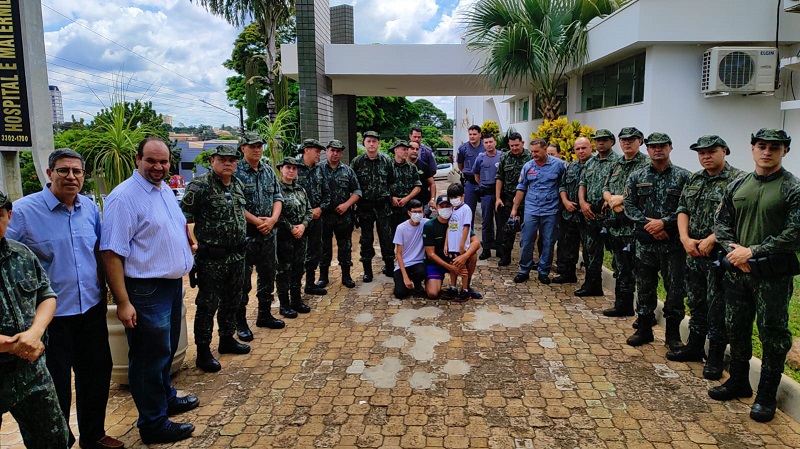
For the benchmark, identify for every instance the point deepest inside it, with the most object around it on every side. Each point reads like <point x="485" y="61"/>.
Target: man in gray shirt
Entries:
<point x="485" y="170"/>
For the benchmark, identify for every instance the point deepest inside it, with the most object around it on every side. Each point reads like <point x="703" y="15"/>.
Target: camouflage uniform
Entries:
<point x="341" y="183"/>
<point x="292" y="251"/>
<point x="595" y="235"/>
<point x="310" y="178"/>
<point x="620" y="230"/>
<point x="699" y="201"/>
<point x="374" y="177"/>
<point x="26" y="388"/>
<point x="405" y="178"/>
<point x="572" y="223"/>
<point x="218" y="213"/>
<point x="655" y="194"/>
<point x="508" y="171"/>
<point x="261" y="191"/>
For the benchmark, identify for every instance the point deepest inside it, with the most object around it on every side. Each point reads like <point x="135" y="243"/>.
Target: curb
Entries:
<point x="789" y="389"/>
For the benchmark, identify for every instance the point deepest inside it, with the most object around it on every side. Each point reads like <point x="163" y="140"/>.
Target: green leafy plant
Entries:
<point x="563" y="133"/>
<point x="274" y="134"/>
<point x="490" y="127"/>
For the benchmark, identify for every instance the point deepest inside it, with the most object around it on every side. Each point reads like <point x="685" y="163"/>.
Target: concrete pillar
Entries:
<point x="26" y="70"/>
<point x="316" y="99"/>
<point x="344" y="106"/>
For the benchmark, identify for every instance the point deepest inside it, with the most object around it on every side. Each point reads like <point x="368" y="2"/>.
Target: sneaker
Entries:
<point x="474" y="295"/>
<point x="450" y="293"/>
<point x="463" y="296"/>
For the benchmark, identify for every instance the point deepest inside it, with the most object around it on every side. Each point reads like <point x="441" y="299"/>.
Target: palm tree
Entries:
<point x="269" y="15"/>
<point x="274" y="134"/>
<point x="534" y="41"/>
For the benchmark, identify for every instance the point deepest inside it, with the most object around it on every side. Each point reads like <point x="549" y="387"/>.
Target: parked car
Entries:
<point x="441" y="172"/>
<point x="179" y="193"/>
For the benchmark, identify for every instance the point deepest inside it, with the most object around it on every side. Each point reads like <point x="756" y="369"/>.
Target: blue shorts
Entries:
<point x="436" y="272"/>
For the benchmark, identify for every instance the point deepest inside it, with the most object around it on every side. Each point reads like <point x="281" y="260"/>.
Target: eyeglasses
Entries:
<point x="65" y="171"/>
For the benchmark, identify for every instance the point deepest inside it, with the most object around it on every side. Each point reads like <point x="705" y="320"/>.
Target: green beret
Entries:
<point x="5" y="201"/>
<point x="399" y="143"/>
<point x="709" y="141"/>
<point x="250" y="138"/>
<point x="771" y="135"/>
<point x="225" y="150"/>
<point x="336" y="144"/>
<point x="372" y="134"/>
<point x="288" y="160"/>
<point x="312" y="143"/>
<point x="604" y="134"/>
<point x="657" y="139"/>
<point x="629" y="132"/>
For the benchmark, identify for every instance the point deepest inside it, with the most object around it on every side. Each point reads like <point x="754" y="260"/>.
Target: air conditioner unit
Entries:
<point x="739" y="70"/>
<point x="791" y="5"/>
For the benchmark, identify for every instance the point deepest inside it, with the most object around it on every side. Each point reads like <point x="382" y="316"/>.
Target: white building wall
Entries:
<point x="470" y="111"/>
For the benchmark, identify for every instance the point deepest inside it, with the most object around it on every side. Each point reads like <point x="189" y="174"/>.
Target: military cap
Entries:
<point x="250" y="138"/>
<point x="629" y="132"/>
<point x="709" y="141"/>
<point x="288" y="160"/>
<point x="657" y="139"/>
<point x="604" y="134"/>
<point x="312" y="143"/>
<point x="442" y="199"/>
<point x="399" y="143"/>
<point x="5" y="201"/>
<point x="372" y="134"/>
<point x="771" y="135"/>
<point x="225" y="150"/>
<point x="336" y="144"/>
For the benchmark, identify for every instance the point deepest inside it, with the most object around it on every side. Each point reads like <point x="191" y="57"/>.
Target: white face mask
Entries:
<point x="455" y="202"/>
<point x="446" y="213"/>
<point x="416" y="217"/>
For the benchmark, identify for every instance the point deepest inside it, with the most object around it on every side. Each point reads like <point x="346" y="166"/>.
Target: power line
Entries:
<point x="126" y="48"/>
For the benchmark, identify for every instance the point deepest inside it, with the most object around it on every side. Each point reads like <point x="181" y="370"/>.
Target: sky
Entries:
<point x="170" y="52"/>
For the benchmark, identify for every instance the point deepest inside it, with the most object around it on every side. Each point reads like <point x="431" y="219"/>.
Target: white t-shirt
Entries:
<point x="410" y="237"/>
<point x="461" y="218"/>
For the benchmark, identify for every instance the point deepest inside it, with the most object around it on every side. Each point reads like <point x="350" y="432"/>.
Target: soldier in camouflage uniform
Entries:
<point x="26" y="388"/>
<point x="620" y="228"/>
<point x="405" y="186"/>
<point x="758" y="225"/>
<point x="264" y="204"/>
<point x="508" y="172"/>
<point x="572" y="224"/>
<point x="215" y="202"/>
<point x="698" y="204"/>
<point x="341" y="193"/>
<point x="596" y="211"/>
<point x="310" y="178"/>
<point x="651" y="203"/>
<point x="292" y="238"/>
<point x="374" y="172"/>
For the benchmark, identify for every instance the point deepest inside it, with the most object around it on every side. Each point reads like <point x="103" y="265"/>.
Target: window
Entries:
<point x="524" y="106"/>
<point x="614" y="85"/>
<point x="561" y="96"/>
<point x="521" y="110"/>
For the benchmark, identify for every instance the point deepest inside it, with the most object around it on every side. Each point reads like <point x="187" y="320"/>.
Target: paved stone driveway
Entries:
<point x="529" y="367"/>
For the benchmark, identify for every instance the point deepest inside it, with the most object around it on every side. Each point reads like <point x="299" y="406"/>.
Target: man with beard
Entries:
<point x="467" y="153"/>
<point x="507" y="176"/>
<point x="428" y="192"/>
<point x="425" y="153"/>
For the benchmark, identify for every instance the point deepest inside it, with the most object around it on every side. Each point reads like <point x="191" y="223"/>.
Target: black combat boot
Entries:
<point x="242" y="329"/>
<point x="715" y="361"/>
<point x="229" y="345"/>
<point x="505" y="258"/>
<point x="311" y="288"/>
<point x="763" y="409"/>
<point x="347" y="281"/>
<point x="623" y="305"/>
<point x="672" y="336"/>
<point x="286" y="306"/>
<point x="388" y="269"/>
<point x="323" y="277"/>
<point x="265" y="318"/>
<point x="297" y="302"/>
<point x="694" y="351"/>
<point x="567" y="277"/>
<point x="737" y="386"/>
<point x="642" y="335"/>
<point x="635" y="324"/>
<point x="485" y="254"/>
<point x="205" y="361"/>
<point x="367" y="271"/>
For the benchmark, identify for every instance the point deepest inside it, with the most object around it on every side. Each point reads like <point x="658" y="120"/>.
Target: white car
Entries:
<point x="179" y="193"/>
<point x="441" y="171"/>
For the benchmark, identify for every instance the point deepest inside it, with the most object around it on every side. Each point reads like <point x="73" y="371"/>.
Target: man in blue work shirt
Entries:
<point x="538" y="185"/>
<point x="467" y="154"/>
<point x="485" y="172"/>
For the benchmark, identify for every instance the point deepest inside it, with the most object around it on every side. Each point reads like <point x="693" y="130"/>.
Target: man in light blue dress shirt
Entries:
<point x="146" y="253"/>
<point x="62" y="228"/>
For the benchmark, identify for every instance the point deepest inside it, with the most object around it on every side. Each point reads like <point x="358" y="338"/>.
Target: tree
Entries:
<point x="533" y="41"/>
<point x="391" y="117"/>
<point x="430" y="115"/>
<point x="269" y="16"/>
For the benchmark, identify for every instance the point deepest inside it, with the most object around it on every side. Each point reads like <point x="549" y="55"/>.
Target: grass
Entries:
<point x="794" y="318"/>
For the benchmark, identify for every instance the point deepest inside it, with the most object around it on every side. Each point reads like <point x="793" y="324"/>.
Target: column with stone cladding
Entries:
<point x="344" y="106"/>
<point x="316" y="91"/>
